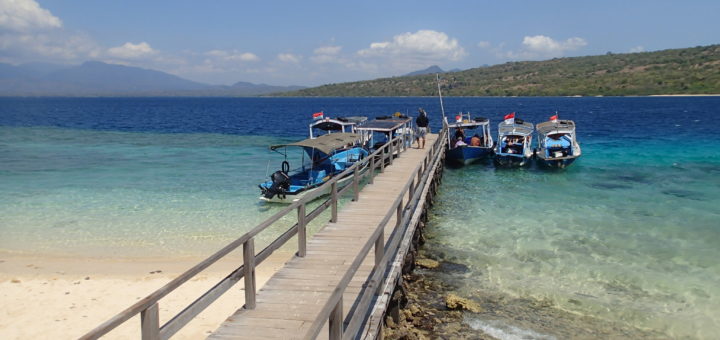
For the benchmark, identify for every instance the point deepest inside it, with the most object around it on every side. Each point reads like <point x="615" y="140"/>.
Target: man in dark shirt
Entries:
<point x="422" y="123"/>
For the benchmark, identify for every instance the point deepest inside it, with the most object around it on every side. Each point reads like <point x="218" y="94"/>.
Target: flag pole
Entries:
<point x="442" y="108"/>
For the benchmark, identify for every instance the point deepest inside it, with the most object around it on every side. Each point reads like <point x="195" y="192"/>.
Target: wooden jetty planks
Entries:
<point x="290" y="301"/>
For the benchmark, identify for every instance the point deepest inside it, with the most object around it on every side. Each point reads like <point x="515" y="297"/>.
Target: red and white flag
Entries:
<point x="458" y="119"/>
<point x="509" y="118"/>
<point x="317" y="115"/>
<point x="554" y="118"/>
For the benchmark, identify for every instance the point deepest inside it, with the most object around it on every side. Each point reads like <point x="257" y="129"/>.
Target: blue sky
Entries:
<point x="317" y="42"/>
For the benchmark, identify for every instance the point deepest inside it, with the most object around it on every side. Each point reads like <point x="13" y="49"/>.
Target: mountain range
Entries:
<point x="94" y="78"/>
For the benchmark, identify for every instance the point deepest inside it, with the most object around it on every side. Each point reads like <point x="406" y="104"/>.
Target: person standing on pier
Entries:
<point x="422" y="123"/>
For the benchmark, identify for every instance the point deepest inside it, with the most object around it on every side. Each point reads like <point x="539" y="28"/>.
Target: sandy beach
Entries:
<point x="63" y="298"/>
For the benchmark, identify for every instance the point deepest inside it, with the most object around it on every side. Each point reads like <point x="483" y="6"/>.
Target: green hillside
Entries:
<point x="678" y="71"/>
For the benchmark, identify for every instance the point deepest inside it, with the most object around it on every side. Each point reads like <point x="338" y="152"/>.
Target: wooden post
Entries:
<point x="356" y="184"/>
<point x="411" y="191"/>
<point x="150" y="323"/>
<point x="302" y="231"/>
<point x="379" y="253"/>
<point x="399" y="214"/>
<point x="333" y="204"/>
<point x="336" y="321"/>
<point x="249" y="269"/>
<point x="372" y="170"/>
<point x="390" y="151"/>
<point x="382" y="158"/>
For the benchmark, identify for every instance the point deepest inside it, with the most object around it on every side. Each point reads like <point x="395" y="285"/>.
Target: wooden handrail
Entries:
<point x="148" y="306"/>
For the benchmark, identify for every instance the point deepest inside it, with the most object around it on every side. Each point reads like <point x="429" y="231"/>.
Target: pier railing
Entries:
<point x="148" y="307"/>
<point x="332" y="311"/>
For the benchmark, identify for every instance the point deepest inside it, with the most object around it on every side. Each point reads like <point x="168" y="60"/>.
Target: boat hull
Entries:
<point x="467" y="154"/>
<point x="556" y="163"/>
<point x="511" y="161"/>
<point x="290" y="197"/>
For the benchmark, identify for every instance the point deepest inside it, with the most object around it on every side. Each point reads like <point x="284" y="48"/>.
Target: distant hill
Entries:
<point x="676" y="71"/>
<point x="430" y="70"/>
<point x="94" y="78"/>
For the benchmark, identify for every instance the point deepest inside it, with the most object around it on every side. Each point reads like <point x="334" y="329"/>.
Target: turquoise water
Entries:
<point x="628" y="234"/>
<point x="104" y="193"/>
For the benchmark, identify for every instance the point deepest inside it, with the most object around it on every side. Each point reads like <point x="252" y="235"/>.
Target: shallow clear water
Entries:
<point x="628" y="234"/>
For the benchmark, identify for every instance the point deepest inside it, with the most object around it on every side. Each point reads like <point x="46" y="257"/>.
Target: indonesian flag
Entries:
<point x="509" y="118"/>
<point x="554" y="118"/>
<point x="317" y="115"/>
<point x="458" y="119"/>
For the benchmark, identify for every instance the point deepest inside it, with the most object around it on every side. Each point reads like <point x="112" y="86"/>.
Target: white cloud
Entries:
<point x="289" y="58"/>
<point x="26" y="16"/>
<point x="484" y="44"/>
<point x="233" y="56"/>
<point x="328" y="54"/>
<point x="540" y="46"/>
<point x="328" y="50"/>
<point x="549" y="46"/>
<point x="637" y="49"/>
<point x="132" y="51"/>
<point x="423" y="44"/>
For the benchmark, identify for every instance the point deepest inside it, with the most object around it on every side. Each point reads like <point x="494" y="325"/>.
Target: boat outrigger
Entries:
<point x="323" y="158"/>
<point x="513" y="144"/>
<point x="469" y="139"/>
<point x="557" y="143"/>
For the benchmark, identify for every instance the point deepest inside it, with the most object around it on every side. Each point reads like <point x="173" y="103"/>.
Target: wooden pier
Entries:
<point x="340" y="281"/>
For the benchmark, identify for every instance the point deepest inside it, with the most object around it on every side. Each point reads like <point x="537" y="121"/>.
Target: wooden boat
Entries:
<point x="557" y="143"/>
<point x="469" y="139"/>
<point x="323" y="158"/>
<point x="513" y="144"/>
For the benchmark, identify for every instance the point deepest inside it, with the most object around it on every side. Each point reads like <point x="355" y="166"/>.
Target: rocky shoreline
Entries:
<point x="427" y="306"/>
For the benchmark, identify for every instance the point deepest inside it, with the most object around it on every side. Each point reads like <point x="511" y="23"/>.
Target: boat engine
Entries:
<point x="280" y="185"/>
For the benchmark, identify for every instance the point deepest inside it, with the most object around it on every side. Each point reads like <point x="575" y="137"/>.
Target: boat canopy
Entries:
<point x="325" y="143"/>
<point x="383" y="125"/>
<point x="337" y="124"/>
<point x="560" y="126"/>
<point x="517" y="127"/>
<point x="466" y="123"/>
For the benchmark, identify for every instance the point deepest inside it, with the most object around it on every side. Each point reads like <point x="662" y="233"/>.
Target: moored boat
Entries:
<point x="322" y="158"/>
<point x="513" y="144"/>
<point x="469" y="139"/>
<point x="557" y="143"/>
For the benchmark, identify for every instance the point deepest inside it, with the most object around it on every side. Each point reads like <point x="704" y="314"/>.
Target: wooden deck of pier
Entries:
<point x="291" y="300"/>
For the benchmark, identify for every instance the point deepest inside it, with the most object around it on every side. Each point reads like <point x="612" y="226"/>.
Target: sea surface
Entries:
<point x="629" y="234"/>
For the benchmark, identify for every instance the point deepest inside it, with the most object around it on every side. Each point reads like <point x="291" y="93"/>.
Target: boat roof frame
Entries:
<point x="383" y="125"/>
<point x="524" y="129"/>
<point x="550" y="127"/>
<point x="325" y="143"/>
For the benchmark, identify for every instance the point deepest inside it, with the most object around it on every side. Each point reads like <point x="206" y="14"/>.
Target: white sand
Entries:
<point x="63" y="298"/>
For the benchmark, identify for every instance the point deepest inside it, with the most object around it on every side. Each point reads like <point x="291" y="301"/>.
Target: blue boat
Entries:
<point x="469" y="139"/>
<point x="322" y="158"/>
<point x="513" y="144"/>
<point x="557" y="143"/>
